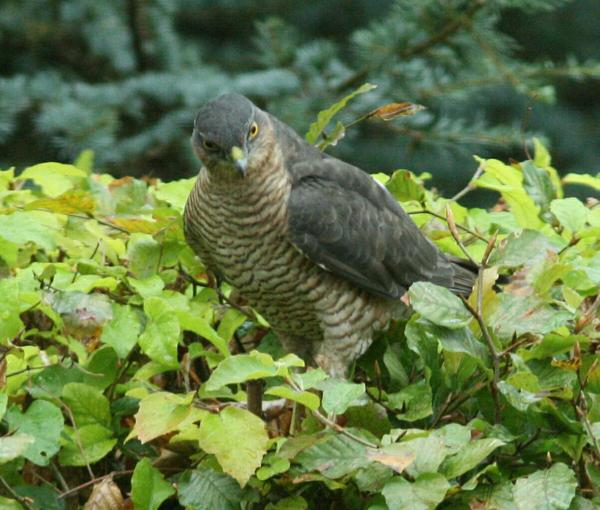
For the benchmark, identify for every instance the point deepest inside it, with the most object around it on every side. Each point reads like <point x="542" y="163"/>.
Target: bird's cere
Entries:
<point x="239" y="159"/>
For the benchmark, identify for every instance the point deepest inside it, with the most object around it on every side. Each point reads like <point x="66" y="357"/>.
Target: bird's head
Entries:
<point x="229" y="135"/>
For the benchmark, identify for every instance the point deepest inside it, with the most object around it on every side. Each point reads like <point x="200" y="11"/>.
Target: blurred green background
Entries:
<point x="125" y="77"/>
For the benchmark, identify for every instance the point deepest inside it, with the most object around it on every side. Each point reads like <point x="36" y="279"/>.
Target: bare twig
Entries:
<point x="455" y="234"/>
<point x="477" y="313"/>
<point x="460" y="227"/>
<point x="470" y="185"/>
<point x="24" y="501"/>
<point x="331" y="424"/>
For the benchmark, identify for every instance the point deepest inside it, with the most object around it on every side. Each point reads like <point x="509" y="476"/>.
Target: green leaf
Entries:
<point x="289" y="503"/>
<point x="199" y="325"/>
<point x="22" y="227"/>
<point x="161" y="413"/>
<point x="175" y="193"/>
<point x="9" y="504"/>
<point x="144" y="255"/>
<point x="514" y="314"/>
<point x="306" y="398"/>
<point x="334" y="456"/>
<point x="338" y="394"/>
<point x="88" y="405"/>
<point x="10" y="309"/>
<point x="86" y="445"/>
<point x="538" y="184"/>
<point x="42" y="421"/>
<point x="54" y="178"/>
<point x="102" y="368"/>
<point x="122" y="331"/>
<point x="272" y="465"/>
<point x="508" y="181"/>
<point x="570" y="212"/>
<point x="325" y="116"/>
<point x="414" y="402"/>
<point x="425" y="493"/>
<point x="205" y="489"/>
<point x="438" y="305"/>
<point x="161" y="336"/>
<point x="240" y="459"/>
<point x="14" y="446"/>
<point x="548" y="489"/>
<point x="405" y="186"/>
<point x="241" y="368"/>
<point x="470" y="456"/>
<point x="583" y="179"/>
<point x="525" y="247"/>
<point x="149" y="487"/>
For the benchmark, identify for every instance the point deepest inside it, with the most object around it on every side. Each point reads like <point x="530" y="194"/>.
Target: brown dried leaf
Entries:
<point x="106" y="495"/>
<point x="392" y="110"/>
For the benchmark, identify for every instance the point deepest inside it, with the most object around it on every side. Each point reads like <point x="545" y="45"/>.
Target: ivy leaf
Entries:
<point x="325" y="116"/>
<point x="548" y="489"/>
<point x="42" y="421"/>
<point x="217" y="432"/>
<point x="338" y="394"/>
<point x="438" y="305"/>
<point x="425" y="493"/>
<point x="160" y="338"/>
<point x="148" y="486"/>
<point x="205" y="489"/>
<point x="570" y="212"/>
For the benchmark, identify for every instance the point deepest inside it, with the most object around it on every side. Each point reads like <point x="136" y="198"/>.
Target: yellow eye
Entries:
<point x="253" y="131"/>
<point x="210" y="146"/>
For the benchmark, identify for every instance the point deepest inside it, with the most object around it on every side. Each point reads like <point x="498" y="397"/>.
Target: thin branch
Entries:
<point x="470" y="185"/>
<point x="23" y="500"/>
<point x="450" y="28"/>
<point x="94" y="481"/>
<point x="478" y="315"/>
<point x="333" y="425"/>
<point x="455" y="234"/>
<point x="460" y="227"/>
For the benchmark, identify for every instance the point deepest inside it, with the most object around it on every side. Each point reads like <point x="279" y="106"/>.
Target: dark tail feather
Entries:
<point x="465" y="274"/>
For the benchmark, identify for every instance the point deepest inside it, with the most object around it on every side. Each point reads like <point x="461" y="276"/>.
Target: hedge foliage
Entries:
<point x="123" y="372"/>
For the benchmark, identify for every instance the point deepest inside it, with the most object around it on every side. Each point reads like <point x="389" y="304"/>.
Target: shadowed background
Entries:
<point x="125" y="77"/>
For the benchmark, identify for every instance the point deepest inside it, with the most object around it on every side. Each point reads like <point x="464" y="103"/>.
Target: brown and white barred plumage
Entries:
<point x="253" y="231"/>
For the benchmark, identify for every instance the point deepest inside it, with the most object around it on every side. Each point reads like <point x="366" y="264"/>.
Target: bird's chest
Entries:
<point x="243" y="236"/>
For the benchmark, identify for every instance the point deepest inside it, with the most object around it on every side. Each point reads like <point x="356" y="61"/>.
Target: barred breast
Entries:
<point x="239" y="230"/>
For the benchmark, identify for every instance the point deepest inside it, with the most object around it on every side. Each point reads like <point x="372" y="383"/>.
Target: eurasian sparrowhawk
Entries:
<point x="314" y="244"/>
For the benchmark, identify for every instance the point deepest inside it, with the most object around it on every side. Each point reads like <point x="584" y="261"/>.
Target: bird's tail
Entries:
<point x="465" y="274"/>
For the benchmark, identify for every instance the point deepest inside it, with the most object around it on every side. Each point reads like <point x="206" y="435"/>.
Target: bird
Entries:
<point x="314" y="244"/>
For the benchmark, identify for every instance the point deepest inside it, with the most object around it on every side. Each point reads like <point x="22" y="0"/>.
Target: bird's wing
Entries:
<point x="346" y="222"/>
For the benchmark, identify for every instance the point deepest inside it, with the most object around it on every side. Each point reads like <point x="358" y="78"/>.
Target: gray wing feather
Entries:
<point x="343" y="220"/>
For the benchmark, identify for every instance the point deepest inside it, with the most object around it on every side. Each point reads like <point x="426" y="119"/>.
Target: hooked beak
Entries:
<point x="240" y="159"/>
